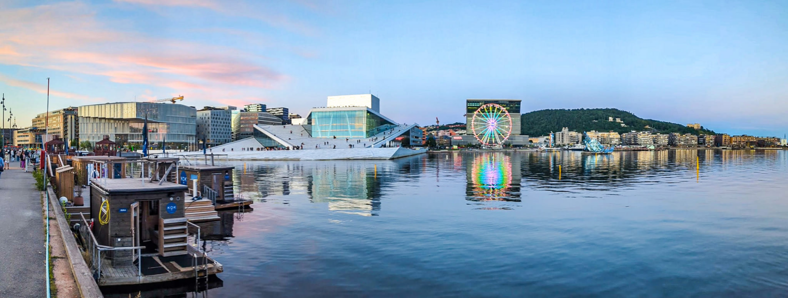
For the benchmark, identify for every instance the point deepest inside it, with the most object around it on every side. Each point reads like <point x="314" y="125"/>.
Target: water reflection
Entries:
<point x="491" y="177"/>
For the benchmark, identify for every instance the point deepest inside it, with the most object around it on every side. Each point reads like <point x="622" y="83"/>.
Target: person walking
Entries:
<point x="2" y="165"/>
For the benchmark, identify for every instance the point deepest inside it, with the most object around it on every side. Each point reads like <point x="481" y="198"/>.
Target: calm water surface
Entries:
<point x="636" y="224"/>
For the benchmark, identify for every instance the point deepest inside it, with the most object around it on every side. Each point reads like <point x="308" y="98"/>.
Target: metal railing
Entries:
<point x="209" y="193"/>
<point x="95" y="250"/>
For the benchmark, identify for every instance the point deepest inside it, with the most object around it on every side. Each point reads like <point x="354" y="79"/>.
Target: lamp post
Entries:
<point x="2" y="145"/>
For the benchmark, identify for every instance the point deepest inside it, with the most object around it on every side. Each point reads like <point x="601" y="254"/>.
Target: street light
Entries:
<point x="2" y="102"/>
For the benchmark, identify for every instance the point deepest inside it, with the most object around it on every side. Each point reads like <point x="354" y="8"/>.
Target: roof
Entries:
<point x="205" y="167"/>
<point x="98" y="158"/>
<point x="135" y="185"/>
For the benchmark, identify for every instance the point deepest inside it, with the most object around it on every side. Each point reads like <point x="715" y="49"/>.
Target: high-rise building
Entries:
<point x="123" y="123"/>
<point x="63" y="123"/>
<point x="511" y="105"/>
<point x="281" y="112"/>
<point x="214" y="125"/>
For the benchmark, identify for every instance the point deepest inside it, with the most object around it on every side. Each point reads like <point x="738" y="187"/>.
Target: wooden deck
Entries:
<point x="233" y="204"/>
<point x="127" y="275"/>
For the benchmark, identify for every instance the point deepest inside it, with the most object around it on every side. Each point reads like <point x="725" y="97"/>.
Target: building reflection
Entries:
<point x="491" y="177"/>
<point x="347" y="187"/>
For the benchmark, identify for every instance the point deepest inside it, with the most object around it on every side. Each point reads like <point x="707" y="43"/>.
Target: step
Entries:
<point x="174" y="236"/>
<point x="205" y="218"/>
<point x="199" y="209"/>
<point x="175" y="228"/>
<point x="192" y="214"/>
<point x="170" y="245"/>
<point x="174" y="220"/>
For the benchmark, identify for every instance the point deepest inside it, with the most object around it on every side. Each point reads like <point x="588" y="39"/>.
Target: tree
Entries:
<point x="431" y="143"/>
<point x="85" y="145"/>
<point x="74" y="143"/>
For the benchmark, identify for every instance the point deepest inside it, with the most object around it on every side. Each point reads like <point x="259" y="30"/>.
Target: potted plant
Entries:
<point x="78" y="200"/>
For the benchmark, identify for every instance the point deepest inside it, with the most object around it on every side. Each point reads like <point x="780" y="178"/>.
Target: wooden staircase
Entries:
<point x="173" y="236"/>
<point x="74" y="211"/>
<point x="200" y="210"/>
<point x="228" y="192"/>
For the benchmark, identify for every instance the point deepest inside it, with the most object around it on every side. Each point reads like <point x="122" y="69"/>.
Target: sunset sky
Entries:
<point x="723" y="64"/>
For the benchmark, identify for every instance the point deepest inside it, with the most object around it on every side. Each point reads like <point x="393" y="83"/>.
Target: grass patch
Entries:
<point x="44" y="218"/>
<point x="40" y="183"/>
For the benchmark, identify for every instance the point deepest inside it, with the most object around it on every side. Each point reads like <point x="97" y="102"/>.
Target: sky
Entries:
<point x="723" y="64"/>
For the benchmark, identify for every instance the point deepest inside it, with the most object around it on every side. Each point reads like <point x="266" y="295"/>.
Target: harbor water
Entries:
<point x="677" y="223"/>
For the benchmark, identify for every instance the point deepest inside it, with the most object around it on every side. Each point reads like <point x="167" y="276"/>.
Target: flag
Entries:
<point x="145" y="137"/>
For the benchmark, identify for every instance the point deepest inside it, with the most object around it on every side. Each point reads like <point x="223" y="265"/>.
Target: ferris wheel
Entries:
<point x="491" y="125"/>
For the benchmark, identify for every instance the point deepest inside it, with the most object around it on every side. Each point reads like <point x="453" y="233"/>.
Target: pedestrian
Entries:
<point x="2" y="165"/>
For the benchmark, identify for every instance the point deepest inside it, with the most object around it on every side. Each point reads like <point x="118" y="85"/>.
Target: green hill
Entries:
<point x="542" y="122"/>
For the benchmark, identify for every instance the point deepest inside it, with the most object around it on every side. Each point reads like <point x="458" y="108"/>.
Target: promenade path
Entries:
<point x="22" y="252"/>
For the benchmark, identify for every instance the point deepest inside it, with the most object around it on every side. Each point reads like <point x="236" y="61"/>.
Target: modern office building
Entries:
<point x="349" y="123"/>
<point x="63" y="123"/>
<point x="257" y="107"/>
<point x="123" y="122"/>
<point x="244" y="121"/>
<point x="281" y="112"/>
<point x="214" y="125"/>
<point x="28" y="137"/>
<point x="511" y="105"/>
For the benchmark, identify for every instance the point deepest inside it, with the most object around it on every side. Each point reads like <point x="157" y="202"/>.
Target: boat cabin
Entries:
<point x="134" y="212"/>
<point x="214" y="182"/>
<point x="86" y="165"/>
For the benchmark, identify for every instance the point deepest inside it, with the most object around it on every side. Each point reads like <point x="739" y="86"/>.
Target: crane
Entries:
<point x="172" y="100"/>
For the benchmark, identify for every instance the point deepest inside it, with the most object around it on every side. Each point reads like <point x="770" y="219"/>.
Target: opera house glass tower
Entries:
<point x="349" y="116"/>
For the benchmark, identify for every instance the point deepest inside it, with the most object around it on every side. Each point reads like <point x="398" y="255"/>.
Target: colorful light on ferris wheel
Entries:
<point x="491" y="125"/>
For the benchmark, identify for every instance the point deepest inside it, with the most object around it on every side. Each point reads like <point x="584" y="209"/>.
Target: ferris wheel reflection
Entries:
<point x="490" y="178"/>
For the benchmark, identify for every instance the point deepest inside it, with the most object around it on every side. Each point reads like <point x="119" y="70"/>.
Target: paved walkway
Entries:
<point x="22" y="252"/>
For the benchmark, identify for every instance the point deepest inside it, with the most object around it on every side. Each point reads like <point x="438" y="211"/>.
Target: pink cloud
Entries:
<point x="42" y="88"/>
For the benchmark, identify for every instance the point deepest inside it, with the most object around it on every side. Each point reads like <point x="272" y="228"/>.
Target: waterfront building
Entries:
<point x="645" y="139"/>
<point x="511" y="105"/>
<point x="566" y="137"/>
<point x="706" y="140"/>
<point x="661" y="139"/>
<point x="62" y="123"/>
<point x="123" y="123"/>
<point x="214" y="125"/>
<point x="685" y="140"/>
<point x="605" y="138"/>
<point x="783" y="142"/>
<point x="722" y="140"/>
<point x="281" y="112"/>
<point x="629" y="138"/>
<point x="244" y="121"/>
<point x="348" y="122"/>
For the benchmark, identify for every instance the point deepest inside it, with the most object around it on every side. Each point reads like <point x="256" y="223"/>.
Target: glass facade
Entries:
<point x="346" y="124"/>
<point x="123" y="122"/>
<point x="266" y="141"/>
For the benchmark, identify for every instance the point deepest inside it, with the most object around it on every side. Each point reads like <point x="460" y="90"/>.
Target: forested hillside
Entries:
<point x="540" y="123"/>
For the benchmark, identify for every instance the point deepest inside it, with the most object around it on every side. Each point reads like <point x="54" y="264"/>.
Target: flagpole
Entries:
<point x="43" y="160"/>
